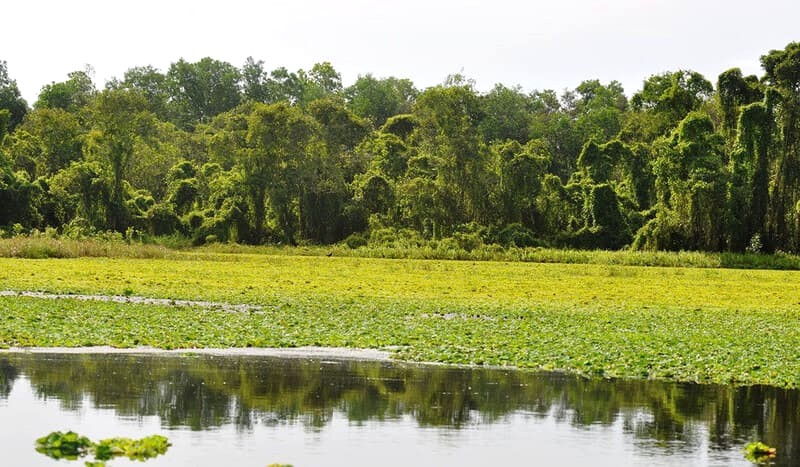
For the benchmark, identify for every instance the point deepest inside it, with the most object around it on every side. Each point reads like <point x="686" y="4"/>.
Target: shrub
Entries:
<point x="517" y="235"/>
<point x="355" y="240"/>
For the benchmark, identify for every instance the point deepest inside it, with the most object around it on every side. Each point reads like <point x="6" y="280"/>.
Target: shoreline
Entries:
<point x="342" y="353"/>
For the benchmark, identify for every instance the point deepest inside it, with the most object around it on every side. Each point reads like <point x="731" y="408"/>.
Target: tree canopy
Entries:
<point x="214" y="152"/>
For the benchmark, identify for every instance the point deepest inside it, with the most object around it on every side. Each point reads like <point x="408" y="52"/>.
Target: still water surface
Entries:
<point x="254" y="411"/>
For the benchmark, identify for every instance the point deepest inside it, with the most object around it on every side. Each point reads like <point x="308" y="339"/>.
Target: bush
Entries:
<point x="194" y="220"/>
<point x="355" y="240"/>
<point x="468" y="241"/>
<point x="391" y="237"/>
<point x="162" y="220"/>
<point x="517" y="235"/>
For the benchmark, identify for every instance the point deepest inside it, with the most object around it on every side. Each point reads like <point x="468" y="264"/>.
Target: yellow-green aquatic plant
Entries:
<point x="72" y="446"/>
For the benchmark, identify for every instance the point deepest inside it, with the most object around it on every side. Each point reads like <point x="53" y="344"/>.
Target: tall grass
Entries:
<point x="694" y="259"/>
<point x="48" y="247"/>
<point x="170" y="247"/>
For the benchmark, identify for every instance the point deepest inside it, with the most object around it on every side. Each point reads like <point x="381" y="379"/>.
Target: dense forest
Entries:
<point x="212" y="152"/>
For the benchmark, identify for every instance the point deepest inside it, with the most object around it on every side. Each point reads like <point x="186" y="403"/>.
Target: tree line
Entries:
<point x="213" y="152"/>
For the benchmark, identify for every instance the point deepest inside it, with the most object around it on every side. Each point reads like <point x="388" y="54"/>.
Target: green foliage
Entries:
<point x="619" y="321"/>
<point x="51" y="138"/>
<point x="71" y="95"/>
<point x="519" y="175"/>
<point x="121" y="119"/>
<point x="507" y="115"/>
<point x="139" y="449"/>
<point x="278" y="138"/>
<point x="672" y="95"/>
<point x="249" y="155"/>
<point x="782" y="69"/>
<point x="691" y="189"/>
<point x="401" y="126"/>
<point x="72" y="446"/>
<point x="202" y="89"/>
<point x="58" y="445"/>
<point x="11" y="101"/>
<point x="150" y="83"/>
<point x="735" y="91"/>
<point x="377" y="100"/>
<point x="162" y="220"/>
<point x="759" y="453"/>
<point x="605" y="227"/>
<point x="748" y="192"/>
<point x="516" y="235"/>
<point x="355" y="241"/>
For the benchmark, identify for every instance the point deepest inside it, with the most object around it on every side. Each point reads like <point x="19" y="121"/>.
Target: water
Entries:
<point x="256" y="411"/>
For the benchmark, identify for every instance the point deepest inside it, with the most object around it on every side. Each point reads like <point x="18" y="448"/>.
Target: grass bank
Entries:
<point x="115" y="246"/>
<point x="704" y="325"/>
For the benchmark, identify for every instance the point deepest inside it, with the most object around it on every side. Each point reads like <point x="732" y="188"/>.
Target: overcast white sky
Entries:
<point x="551" y="44"/>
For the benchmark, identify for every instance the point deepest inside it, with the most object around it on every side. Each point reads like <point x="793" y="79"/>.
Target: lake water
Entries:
<point x="255" y="411"/>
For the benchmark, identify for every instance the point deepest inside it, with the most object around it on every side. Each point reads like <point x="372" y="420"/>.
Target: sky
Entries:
<point x="552" y="44"/>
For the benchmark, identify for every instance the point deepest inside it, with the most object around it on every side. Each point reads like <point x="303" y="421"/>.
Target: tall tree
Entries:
<point x="149" y="82"/>
<point x="507" y="115"/>
<point x="278" y="139"/>
<point x="378" y="99"/>
<point x="51" y="138"/>
<point x="254" y="81"/>
<point x="782" y="69"/>
<point x="120" y="118"/>
<point x="202" y="89"/>
<point x="670" y="96"/>
<point x="10" y="100"/>
<point x="70" y="95"/>
<point x="733" y="91"/>
<point x="691" y="184"/>
<point x="448" y="117"/>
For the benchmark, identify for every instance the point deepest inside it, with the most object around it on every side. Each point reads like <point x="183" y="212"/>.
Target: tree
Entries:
<point x="203" y="89"/>
<point x="10" y="100"/>
<point x="284" y="85"/>
<point x="71" y="95"/>
<point x="748" y="192"/>
<point x="734" y="91"/>
<point x="598" y="109"/>
<point x="83" y="191"/>
<point x="387" y="153"/>
<point x="152" y="84"/>
<point x="448" y="118"/>
<point x="691" y="185"/>
<point x="323" y="80"/>
<point x="782" y="73"/>
<point x="254" y="81"/>
<point x="120" y="118"/>
<point x="53" y="138"/>
<point x="379" y="99"/>
<point x="278" y="139"/>
<point x="327" y="211"/>
<point x="670" y="96"/>
<point x="507" y="115"/>
<point x="519" y="179"/>
<point x="17" y="199"/>
<point x="552" y="123"/>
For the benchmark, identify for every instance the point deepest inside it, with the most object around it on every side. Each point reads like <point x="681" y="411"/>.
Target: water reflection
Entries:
<point x="204" y="392"/>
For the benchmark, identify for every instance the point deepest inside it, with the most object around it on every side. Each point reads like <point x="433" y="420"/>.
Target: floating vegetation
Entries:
<point x="72" y="446"/>
<point x="759" y="453"/>
<point x="684" y="324"/>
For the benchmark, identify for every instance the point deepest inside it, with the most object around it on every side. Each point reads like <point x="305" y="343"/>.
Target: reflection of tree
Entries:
<point x="203" y="391"/>
<point x="8" y="373"/>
